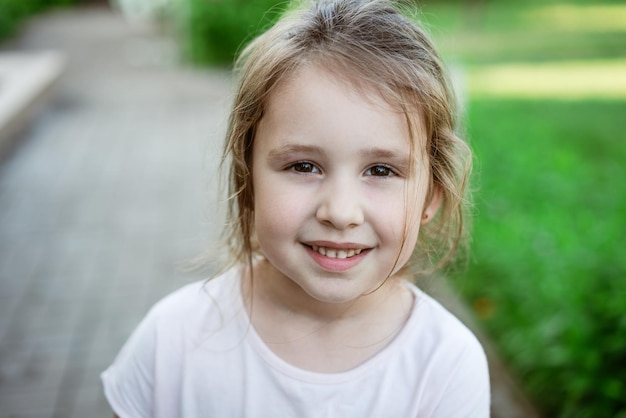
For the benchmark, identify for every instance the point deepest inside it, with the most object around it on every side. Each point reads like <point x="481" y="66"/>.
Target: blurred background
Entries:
<point x="112" y="116"/>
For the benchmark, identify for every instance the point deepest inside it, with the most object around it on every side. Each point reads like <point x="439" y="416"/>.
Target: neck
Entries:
<point x="322" y="336"/>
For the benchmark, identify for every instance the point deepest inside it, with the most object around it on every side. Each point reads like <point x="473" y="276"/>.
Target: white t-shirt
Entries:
<point x="196" y="355"/>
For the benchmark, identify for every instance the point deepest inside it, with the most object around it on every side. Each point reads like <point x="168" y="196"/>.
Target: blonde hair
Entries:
<point x="372" y="45"/>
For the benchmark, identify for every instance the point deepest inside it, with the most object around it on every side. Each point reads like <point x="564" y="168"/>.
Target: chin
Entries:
<point x="337" y="293"/>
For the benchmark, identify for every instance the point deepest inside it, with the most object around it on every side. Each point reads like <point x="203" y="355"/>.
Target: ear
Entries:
<point x="432" y="205"/>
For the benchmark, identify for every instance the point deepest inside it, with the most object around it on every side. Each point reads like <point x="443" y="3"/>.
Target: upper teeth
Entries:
<point x="336" y="253"/>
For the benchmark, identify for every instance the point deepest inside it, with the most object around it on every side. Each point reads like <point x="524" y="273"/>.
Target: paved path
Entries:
<point x="103" y="196"/>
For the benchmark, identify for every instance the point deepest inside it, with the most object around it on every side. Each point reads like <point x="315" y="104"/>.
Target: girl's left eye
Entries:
<point x="380" y="171"/>
<point x="304" y="167"/>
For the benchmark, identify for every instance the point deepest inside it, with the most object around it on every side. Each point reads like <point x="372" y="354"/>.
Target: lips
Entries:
<point x="337" y="257"/>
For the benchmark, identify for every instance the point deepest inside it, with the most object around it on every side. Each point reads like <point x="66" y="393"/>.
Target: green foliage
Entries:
<point x="548" y="265"/>
<point x="548" y="255"/>
<point x="213" y="31"/>
<point x="13" y="12"/>
<point x="480" y="32"/>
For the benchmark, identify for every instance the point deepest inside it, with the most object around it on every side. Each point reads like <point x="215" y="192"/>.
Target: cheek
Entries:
<point x="403" y="221"/>
<point x="407" y="244"/>
<point x="277" y="209"/>
<point x="400" y="208"/>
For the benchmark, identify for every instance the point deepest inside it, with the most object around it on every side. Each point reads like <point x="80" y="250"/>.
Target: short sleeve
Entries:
<point x="129" y="381"/>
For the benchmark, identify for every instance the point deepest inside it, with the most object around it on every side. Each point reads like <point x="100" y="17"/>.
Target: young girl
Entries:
<point x="345" y="170"/>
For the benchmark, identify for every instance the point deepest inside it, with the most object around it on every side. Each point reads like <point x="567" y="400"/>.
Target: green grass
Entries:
<point x="547" y="277"/>
<point x="528" y="31"/>
<point x="548" y="267"/>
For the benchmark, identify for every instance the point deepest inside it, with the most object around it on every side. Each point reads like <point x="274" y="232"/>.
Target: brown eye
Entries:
<point x="380" y="171"/>
<point x="305" y="167"/>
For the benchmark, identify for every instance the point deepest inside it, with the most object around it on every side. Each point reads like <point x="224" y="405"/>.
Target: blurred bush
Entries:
<point x="13" y="12"/>
<point x="212" y="31"/>
<point x="548" y="248"/>
<point x="547" y="272"/>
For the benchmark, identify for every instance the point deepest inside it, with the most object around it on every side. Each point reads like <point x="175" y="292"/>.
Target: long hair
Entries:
<point x="373" y="45"/>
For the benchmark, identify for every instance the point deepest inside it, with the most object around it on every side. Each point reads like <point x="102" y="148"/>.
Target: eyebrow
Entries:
<point x="382" y="153"/>
<point x="285" y="150"/>
<point x="399" y="160"/>
<point x="375" y="153"/>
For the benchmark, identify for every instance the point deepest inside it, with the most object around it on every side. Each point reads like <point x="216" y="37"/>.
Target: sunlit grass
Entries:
<point x="595" y="18"/>
<point x="520" y="31"/>
<point x="561" y="80"/>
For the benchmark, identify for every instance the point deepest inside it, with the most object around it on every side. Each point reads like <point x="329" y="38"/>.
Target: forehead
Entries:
<point x="316" y="110"/>
<point x="349" y="78"/>
<point x="378" y="93"/>
<point x="316" y="89"/>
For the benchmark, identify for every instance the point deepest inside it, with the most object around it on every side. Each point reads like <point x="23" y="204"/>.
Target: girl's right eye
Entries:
<point x="304" y="167"/>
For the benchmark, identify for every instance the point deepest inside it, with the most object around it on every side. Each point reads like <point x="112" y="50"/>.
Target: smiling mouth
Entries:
<point x="337" y="253"/>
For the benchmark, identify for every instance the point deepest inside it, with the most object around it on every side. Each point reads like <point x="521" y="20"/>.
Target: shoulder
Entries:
<point x="439" y="327"/>
<point x="198" y="298"/>
<point x="193" y="315"/>
<point x="152" y="359"/>
<point x="455" y="359"/>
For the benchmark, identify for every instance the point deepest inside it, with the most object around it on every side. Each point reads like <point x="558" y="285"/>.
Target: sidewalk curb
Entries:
<point x="26" y="80"/>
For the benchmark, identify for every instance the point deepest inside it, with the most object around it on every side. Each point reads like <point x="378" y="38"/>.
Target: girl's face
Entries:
<point x="337" y="210"/>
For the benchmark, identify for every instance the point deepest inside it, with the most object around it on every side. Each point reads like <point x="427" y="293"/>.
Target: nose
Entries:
<point x="340" y="204"/>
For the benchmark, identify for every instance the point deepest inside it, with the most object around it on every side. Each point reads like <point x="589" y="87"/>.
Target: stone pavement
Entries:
<point x="101" y="199"/>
